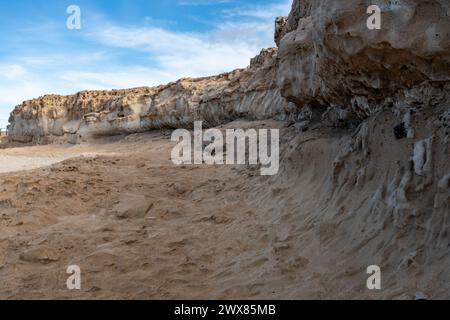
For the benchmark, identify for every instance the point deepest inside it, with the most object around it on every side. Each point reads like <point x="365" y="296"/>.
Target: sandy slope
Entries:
<point x="137" y="225"/>
<point x="140" y="227"/>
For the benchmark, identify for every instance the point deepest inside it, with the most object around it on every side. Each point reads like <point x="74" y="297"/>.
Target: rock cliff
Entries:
<point x="245" y="93"/>
<point x="329" y="57"/>
<point x="328" y="60"/>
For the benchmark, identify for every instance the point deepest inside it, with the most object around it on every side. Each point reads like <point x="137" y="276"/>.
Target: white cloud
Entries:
<point x="261" y="12"/>
<point x="119" y="78"/>
<point x="202" y="2"/>
<point x="12" y="71"/>
<point x="228" y="46"/>
<point x="232" y="41"/>
<point x="16" y="85"/>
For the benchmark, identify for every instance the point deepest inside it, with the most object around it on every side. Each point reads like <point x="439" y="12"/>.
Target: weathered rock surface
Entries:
<point x="280" y="28"/>
<point x="328" y="56"/>
<point x="245" y="93"/>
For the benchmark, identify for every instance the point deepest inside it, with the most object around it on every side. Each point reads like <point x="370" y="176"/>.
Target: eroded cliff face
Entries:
<point x="382" y="188"/>
<point x="329" y="57"/>
<point x="245" y="93"/>
<point x="328" y="60"/>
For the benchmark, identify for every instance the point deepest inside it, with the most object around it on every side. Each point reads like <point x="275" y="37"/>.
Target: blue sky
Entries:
<point x="125" y="43"/>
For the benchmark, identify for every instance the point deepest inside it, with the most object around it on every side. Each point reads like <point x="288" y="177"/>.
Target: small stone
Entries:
<point x="302" y="126"/>
<point x="400" y="131"/>
<point x="444" y="183"/>
<point x="40" y="255"/>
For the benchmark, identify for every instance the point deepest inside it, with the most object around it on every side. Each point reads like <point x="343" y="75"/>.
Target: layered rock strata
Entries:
<point x="249" y="93"/>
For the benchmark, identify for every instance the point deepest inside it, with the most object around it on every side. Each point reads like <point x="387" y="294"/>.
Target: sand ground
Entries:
<point x="137" y="225"/>
<point x="140" y="227"/>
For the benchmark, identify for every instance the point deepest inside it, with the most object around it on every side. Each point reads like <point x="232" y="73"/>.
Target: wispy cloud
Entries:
<point x="260" y="12"/>
<point x="202" y="2"/>
<point x="188" y="54"/>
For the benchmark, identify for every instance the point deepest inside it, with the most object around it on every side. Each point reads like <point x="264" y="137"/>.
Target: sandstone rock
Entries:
<point x="245" y="93"/>
<point x="444" y="183"/>
<point x="327" y="58"/>
<point x="422" y="157"/>
<point x="132" y="207"/>
<point x="41" y="254"/>
<point x="330" y="57"/>
<point x="280" y="28"/>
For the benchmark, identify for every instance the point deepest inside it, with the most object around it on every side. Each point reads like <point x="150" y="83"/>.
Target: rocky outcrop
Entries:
<point x="327" y="59"/>
<point x="280" y="29"/>
<point x="328" y="56"/>
<point x="245" y="93"/>
<point x="385" y="194"/>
